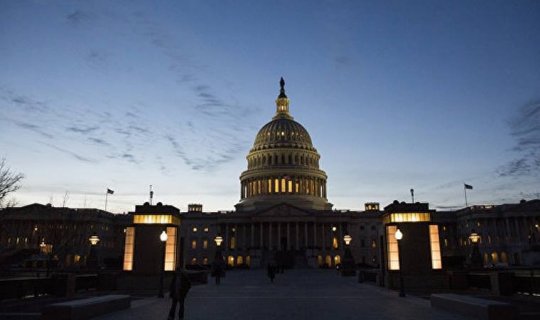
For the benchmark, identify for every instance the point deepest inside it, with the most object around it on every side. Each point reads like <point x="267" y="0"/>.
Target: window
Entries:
<point x="233" y="243"/>
<point x="335" y="243"/>
<point x="205" y="260"/>
<point x="205" y="229"/>
<point x="373" y="243"/>
<point x="193" y="260"/>
<point x="128" y="248"/>
<point x="435" y="246"/>
<point x="193" y="244"/>
<point x="194" y="229"/>
<point x="392" y="247"/>
<point x="170" y="250"/>
<point x="205" y="244"/>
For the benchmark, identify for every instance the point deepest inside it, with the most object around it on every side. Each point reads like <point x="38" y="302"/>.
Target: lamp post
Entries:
<point x="217" y="266"/>
<point x="347" y="266"/>
<point x="92" y="258"/>
<point x="399" y="236"/>
<point x="163" y="238"/>
<point x="476" y="258"/>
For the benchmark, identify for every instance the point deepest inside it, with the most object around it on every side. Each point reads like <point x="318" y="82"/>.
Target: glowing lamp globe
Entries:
<point x="218" y="240"/>
<point x="94" y="239"/>
<point x="398" y="235"/>
<point x="347" y="238"/>
<point x="163" y="236"/>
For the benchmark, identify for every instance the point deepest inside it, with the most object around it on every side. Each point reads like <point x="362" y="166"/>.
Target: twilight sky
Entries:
<point x="395" y="94"/>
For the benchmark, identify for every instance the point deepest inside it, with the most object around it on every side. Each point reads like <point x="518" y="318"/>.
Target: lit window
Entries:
<point x="276" y="185"/>
<point x="194" y="229"/>
<point x="392" y="247"/>
<point x="128" y="248"/>
<point x="205" y="244"/>
<point x="233" y="243"/>
<point x="435" y="246"/>
<point x="283" y="185"/>
<point x="205" y="260"/>
<point x="206" y="229"/>
<point x="290" y="186"/>
<point x="170" y="250"/>
<point x="193" y="244"/>
<point x="335" y="243"/>
<point x="193" y="260"/>
<point x="373" y="244"/>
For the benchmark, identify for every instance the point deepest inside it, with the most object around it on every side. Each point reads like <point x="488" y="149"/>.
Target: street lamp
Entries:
<point x="163" y="238"/>
<point x="218" y="265"/>
<point x="476" y="258"/>
<point x="218" y="240"/>
<point x="92" y="259"/>
<point x="347" y="266"/>
<point x="399" y="236"/>
<point x="94" y="239"/>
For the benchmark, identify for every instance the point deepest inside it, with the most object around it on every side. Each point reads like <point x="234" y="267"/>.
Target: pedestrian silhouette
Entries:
<point x="180" y="286"/>
<point x="271" y="270"/>
<point x="218" y="270"/>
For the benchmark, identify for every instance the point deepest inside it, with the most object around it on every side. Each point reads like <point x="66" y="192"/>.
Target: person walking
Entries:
<point x="180" y="286"/>
<point x="218" y="271"/>
<point x="271" y="270"/>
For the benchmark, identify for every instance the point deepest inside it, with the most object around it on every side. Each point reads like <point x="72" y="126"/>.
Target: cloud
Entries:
<point x="83" y="130"/>
<point x="78" y="17"/>
<point x="34" y="128"/>
<point x="71" y="153"/>
<point x="525" y="128"/>
<point x="99" y="141"/>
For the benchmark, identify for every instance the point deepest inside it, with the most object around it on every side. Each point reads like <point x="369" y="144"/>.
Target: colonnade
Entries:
<point x="283" y="235"/>
<point x="283" y="185"/>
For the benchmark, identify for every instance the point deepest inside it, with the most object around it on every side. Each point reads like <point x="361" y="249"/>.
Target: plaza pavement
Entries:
<point x="296" y="294"/>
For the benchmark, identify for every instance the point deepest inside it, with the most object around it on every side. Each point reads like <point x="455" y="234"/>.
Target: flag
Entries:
<point x="109" y="191"/>
<point x="468" y="186"/>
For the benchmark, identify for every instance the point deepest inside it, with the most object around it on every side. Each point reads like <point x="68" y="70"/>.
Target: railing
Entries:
<point x="527" y="281"/>
<point x="368" y="275"/>
<point x="61" y="284"/>
<point x="479" y="280"/>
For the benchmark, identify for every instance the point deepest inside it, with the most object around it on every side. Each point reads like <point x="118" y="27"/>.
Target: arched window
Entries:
<point x="328" y="261"/>
<point x="337" y="260"/>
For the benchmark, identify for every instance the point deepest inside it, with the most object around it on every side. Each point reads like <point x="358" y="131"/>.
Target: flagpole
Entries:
<point x="106" y="197"/>
<point x="465" y="189"/>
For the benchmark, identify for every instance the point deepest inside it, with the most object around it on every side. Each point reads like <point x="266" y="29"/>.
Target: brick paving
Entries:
<point x="296" y="294"/>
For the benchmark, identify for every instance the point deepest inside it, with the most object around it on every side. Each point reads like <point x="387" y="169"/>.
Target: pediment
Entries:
<point x="284" y="210"/>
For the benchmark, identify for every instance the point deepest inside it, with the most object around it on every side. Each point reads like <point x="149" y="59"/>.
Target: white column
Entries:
<point x="305" y="235"/>
<point x="279" y="235"/>
<point x="270" y="235"/>
<point x="252" y="244"/>
<point x="261" y="239"/>
<point x="288" y="236"/>
<point x="297" y="235"/>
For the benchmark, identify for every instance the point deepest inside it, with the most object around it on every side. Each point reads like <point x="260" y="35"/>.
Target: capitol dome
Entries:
<point x="283" y="165"/>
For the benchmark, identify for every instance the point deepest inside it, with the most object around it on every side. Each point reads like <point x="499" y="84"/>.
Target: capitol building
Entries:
<point x="283" y="214"/>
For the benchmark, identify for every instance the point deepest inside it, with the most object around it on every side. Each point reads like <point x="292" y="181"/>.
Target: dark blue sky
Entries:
<point x="395" y="94"/>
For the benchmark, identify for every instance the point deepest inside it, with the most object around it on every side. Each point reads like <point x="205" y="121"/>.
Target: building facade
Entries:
<point x="283" y="214"/>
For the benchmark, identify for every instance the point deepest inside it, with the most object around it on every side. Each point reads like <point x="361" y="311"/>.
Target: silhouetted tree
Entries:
<point x="9" y="182"/>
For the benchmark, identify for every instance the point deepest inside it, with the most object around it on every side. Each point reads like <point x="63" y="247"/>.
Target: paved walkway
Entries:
<point x="296" y="294"/>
